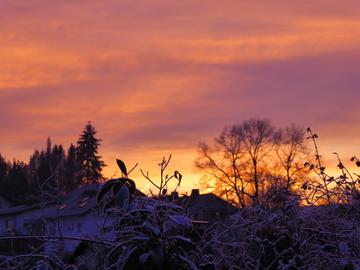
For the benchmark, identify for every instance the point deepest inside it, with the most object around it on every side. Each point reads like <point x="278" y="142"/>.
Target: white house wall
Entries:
<point x="86" y="226"/>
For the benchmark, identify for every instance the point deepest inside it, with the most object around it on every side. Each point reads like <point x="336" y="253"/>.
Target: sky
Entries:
<point x="157" y="77"/>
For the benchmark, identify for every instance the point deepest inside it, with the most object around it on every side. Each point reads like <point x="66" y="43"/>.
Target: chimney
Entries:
<point x="195" y="193"/>
<point x="175" y="195"/>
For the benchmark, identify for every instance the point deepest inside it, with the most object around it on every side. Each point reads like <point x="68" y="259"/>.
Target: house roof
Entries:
<point x="209" y="201"/>
<point x="83" y="200"/>
<point x="208" y="206"/>
<point x="77" y="202"/>
<point x="21" y="208"/>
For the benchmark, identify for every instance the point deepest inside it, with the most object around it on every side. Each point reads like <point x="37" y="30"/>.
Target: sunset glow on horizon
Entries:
<point x="156" y="78"/>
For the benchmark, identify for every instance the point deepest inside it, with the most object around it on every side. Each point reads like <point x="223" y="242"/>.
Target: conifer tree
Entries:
<point x="70" y="180"/>
<point x="87" y="156"/>
<point x="34" y="164"/>
<point x="3" y="167"/>
<point x="18" y="183"/>
<point x="4" y="170"/>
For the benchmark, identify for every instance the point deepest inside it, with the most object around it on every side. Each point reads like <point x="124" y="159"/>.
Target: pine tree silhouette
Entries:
<point x="87" y="156"/>
<point x="70" y="180"/>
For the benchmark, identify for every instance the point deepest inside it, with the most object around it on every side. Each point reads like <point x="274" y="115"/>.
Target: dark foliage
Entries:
<point x="87" y="156"/>
<point x="52" y="170"/>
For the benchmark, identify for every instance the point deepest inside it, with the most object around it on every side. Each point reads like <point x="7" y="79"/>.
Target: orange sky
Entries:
<point x="156" y="77"/>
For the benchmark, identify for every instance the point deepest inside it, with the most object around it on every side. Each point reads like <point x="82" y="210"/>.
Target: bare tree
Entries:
<point x="233" y="160"/>
<point x="224" y="162"/>
<point x="291" y="149"/>
<point x="257" y="136"/>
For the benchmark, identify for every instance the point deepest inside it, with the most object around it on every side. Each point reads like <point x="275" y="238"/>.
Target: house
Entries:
<point x="204" y="209"/>
<point x="16" y="220"/>
<point x="72" y="217"/>
<point x="207" y="207"/>
<point x="77" y="216"/>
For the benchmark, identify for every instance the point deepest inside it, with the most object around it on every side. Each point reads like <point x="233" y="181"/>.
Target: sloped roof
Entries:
<point x="208" y="200"/>
<point x="208" y="206"/>
<point x="83" y="200"/>
<point x="77" y="202"/>
<point x="72" y="201"/>
<point x="22" y="208"/>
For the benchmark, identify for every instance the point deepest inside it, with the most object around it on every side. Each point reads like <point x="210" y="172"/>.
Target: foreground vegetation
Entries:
<point x="155" y="233"/>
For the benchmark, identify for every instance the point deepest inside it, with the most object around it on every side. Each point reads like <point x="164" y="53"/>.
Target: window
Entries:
<point x="28" y="225"/>
<point x="63" y="206"/>
<point x="82" y="204"/>
<point x="84" y="201"/>
<point x="9" y="224"/>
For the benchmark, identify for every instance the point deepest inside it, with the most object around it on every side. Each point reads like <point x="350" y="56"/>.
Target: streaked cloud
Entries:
<point x="157" y="77"/>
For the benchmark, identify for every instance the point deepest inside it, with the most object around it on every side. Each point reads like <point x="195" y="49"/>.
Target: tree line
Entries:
<point x="251" y="163"/>
<point x="53" y="170"/>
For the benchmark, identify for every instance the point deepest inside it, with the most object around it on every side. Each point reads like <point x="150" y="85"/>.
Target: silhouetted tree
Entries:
<point x="18" y="182"/>
<point x="3" y="168"/>
<point x="70" y="180"/>
<point x="258" y="137"/>
<point x="48" y="147"/>
<point x="51" y="170"/>
<point x="87" y="156"/>
<point x="33" y="168"/>
<point x="13" y="179"/>
<point x="46" y="168"/>
<point x="57" y="160"/>
<point x="291" y="150"/>
<point x="4" y="175"/>
<point x="241" y="160"/>
<point x="224" y="162"/>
